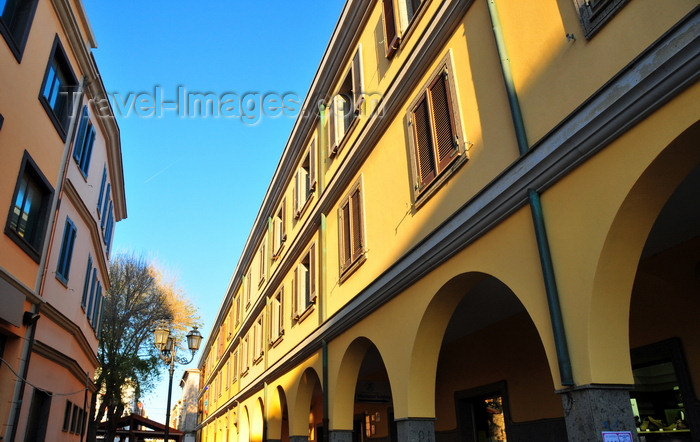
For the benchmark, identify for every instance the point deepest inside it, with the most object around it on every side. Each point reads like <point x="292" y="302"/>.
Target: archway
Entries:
<point x="491" y="365"/>
<point x="244" y="425"/>
<point x="306" y="419"/>
<point x="663" y="334"/>
<point x="278" y="416"/>
<point x="257" y="427"/>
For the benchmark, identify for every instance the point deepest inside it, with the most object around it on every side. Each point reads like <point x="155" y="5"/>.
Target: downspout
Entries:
<point x="563" y="358"/>
<point x="326" y="420"/>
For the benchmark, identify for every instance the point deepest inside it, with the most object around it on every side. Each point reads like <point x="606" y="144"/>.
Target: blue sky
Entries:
<point x="194" y="184"/>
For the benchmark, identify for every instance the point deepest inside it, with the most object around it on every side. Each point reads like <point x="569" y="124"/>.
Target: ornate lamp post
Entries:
<point x="164" y="343"/>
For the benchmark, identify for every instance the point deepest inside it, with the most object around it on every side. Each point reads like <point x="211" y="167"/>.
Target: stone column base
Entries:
<point x="416" y="430"/>
<point x="340" y="436"/>
<point x="298" y="438"/>
<point x="590" y="410"/>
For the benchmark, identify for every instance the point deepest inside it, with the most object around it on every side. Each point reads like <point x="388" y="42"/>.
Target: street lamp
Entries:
<point x="165" y="345"/>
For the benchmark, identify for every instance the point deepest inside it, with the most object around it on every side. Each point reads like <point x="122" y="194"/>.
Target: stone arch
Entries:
<point x="244" y="425"/>
<point x="257" y="427"/>
<point x="347" y="380"/>
<point x="608" y="327"/>
<point x="308" y="404"/>
<point x="277" y="415"/>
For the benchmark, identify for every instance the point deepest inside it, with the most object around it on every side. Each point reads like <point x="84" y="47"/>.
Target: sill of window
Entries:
<point x="22" y="244"/>
<point x="261" y="282"/>
<point x="303" y="208"/>
<point x="244" y="373"/>
<point x="305" y="314"/>
<point x="277" y="340"/>
<point x="257" y="361"/>
<point x="54" y="119"/>
<point x="412" y="25"/>
<point x="420" y="198"/>
<point x="278" y="253"/>
<point x="346" y="137"/>
<point x="63" y="281"/>
<point x="345" y="274"/>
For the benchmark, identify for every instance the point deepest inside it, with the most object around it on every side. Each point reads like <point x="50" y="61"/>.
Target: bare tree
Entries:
<point x="137" y="299"/>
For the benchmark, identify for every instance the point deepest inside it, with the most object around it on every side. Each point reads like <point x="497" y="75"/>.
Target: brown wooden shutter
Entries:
<point x="312" y="274"/>
<point x="391" y="36"/>
<point x="445" y="146"/>
<point x="356" y="211"/>
<point x="425" y="160"/>
<point x="312" y="166"/>
<point x="357" y="81"/>
<point x="332" y="123"/>
<point x="344" y="225"/>
<point x="295" y="294"/>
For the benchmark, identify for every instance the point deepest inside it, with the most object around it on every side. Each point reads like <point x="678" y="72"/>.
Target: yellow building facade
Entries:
<point x="61" y="193"/>
<point x="483" y="227"/>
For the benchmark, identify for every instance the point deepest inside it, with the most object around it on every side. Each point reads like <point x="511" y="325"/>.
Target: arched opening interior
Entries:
<point x="373" y="417"/>
<point x="307" y="415"/>
<point x="491" y="369"/>
<point x="663" y="328"/>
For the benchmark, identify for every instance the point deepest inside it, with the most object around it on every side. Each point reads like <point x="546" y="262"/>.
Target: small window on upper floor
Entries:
<point x="29" y="212"/>
<point x="346" y="105"/>
<point x="594" y="14"/>
<point x="398" y="15"/>
<point x="15" y="23"/>
<point x="436" y="143"/>
<point x="57" y="89"/>
<point x="82" y="150"/>
<point x="304" y="285"/>
<point x="351" y="231"/>
<point x="305" y="180"/>
<point x="262" y="263"/>
<point x="248" y="287"/>
<point x="258" y="348"/>
<point x="276" y="317"/>
<point x="279" y="233"/>
<point x="65" y="255"/>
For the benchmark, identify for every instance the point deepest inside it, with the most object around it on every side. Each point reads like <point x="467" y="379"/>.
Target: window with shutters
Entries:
<point x="594" y="14"/>
<point x="435" y="135"/>
<point x="57" y="90"/>
<point x="351" y="241"/>
<point x="262" y="263"/>
<point x="258" y="349"/>
<point x="398" y="18"/>
<point x="237" y="302"/>
<point x="234" y="377"/>
<point x="65" y="255"/>
<point x="304" y="296"/>
<point x="276" y="317"/>
<point x="279" y="234"/>
<point x="345" y="106"/>
<point x="245" y="356"/>
<point x="248" y="287"/>
<point x="15" y="22"/>
<point x="82" y="151"/>
<point x="29" y="212"/>
<point x="305" y="180"/>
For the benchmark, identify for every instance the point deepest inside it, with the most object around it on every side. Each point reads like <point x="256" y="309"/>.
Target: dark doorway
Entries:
<point x="482" y="416"/>
<point x="38" y="417"/>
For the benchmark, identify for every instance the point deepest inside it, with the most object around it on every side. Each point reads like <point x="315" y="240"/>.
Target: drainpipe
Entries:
<point x="326" y="420"/>
<point x="555" y="314"/>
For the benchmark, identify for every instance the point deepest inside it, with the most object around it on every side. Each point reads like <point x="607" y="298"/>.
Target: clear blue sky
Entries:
<point x="194" y="185"/>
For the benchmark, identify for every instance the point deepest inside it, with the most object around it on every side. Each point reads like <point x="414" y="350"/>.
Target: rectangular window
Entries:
<point x="279" y="235"/>
<point x="74" y="420"/>
<point x="434" y="133"/>
<point x="82" y="151"/>
<point x="351" y="231"/>
<point x="28" y="217"/>
<point x="97" y="309"/>
<point x="305" y="283"/>
<point x="248" y="289"/>
<point x="238" y="309"/>
<point x="235" y="366"/>
<point x="57" y="89"/>
<point x="262" y="263"/>
<point x="346" y="105"/>
<point x="245" y="355"/>
<point x="67" y="415"/>
<point x="86" y="284"/>
<point x="305" y="180"/>
<point x="66" y="253"/>
<point x="91" y="298"/>
<point x="15" y="23"/>
<point x="258" y="348"/>
<point x="102" y="191"/>
<point x="276" y="316"/>
<point x="594" y="14"/>
<point x="398" y="15"/>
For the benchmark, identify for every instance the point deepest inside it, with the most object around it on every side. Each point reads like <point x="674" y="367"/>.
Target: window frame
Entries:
<point x="302" y="199"/>
<point x="279" y="229"/>
<point x="304" y="295"/>
<point x="595" y="14"/>
<point x="351" y="90"/>
<point x="32" y="247"/>
<point x="59" y="63"/>
<point x="16" y="39"/>
<point x="65" y="254"/>
<point x="262" y="263"/>
<point x="276" y="317"/>
<point x="258" y="339"/>
<point x="444" y="169"/>
<point x="84" y="142"/>
<point x="351" y="256"/>
<point x="397" y="26"/>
